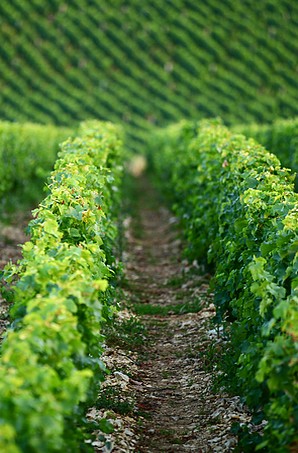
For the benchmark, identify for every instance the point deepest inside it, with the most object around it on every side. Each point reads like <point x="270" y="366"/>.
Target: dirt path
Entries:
<point x="181" y="414"/>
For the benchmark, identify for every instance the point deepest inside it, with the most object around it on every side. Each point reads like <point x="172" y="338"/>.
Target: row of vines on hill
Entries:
<point x="281" y="138"/>
<point x="238" y="207"/>
<point x="147" y="64"/>
<point x="27" y="154"/>
<point x="50" y="359"/>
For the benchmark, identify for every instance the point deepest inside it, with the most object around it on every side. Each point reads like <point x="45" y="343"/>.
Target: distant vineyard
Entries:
<point x="148" y="64"/>
<point x="27" y="154"/>
<point x="281" y="138"/>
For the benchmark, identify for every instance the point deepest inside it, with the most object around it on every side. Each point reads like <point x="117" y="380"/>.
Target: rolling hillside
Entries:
<point x="147" y="64"/>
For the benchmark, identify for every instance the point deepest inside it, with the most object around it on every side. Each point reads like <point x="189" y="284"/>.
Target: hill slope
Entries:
<point x="148" y="63"/>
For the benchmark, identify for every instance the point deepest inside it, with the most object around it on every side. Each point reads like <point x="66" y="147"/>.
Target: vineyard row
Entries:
<point x="50" y="363"/>
<point x="238" y="207"/>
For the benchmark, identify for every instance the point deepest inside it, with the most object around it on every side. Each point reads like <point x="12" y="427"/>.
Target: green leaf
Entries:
<point x="50" y="226"/>
<point x="106" y="426"/>
<point x="74" y="233"/>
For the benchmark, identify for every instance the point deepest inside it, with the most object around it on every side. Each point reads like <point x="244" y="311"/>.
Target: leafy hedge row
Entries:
<point x="237" y="206"/>
<point x="281" y="138"/>
<point x="51" y="355"/>
<point x="27" y="154"/>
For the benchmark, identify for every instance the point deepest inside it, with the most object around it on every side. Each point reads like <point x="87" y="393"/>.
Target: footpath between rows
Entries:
<point x="171" y="381"/>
